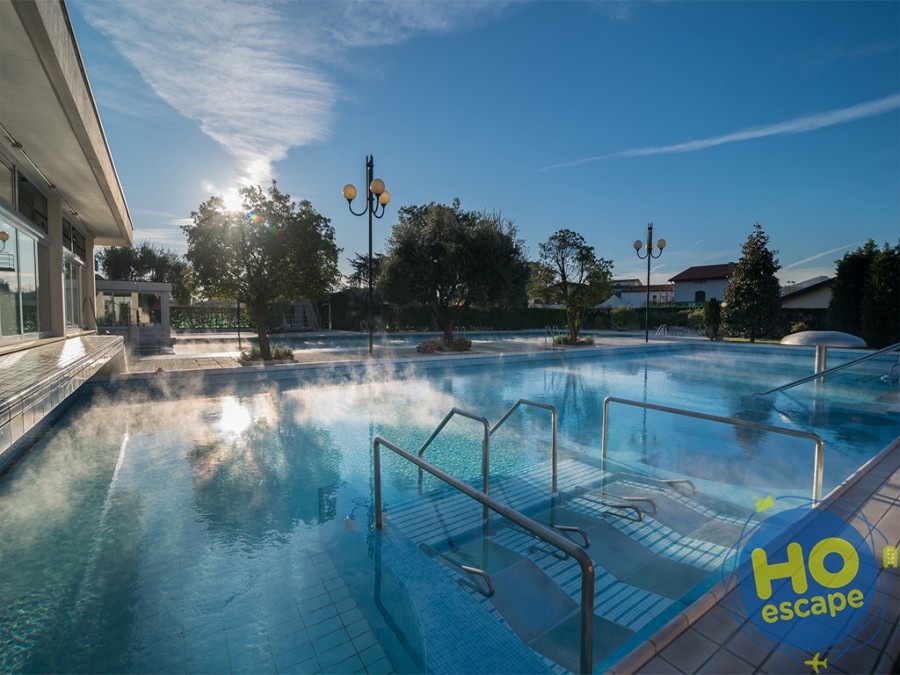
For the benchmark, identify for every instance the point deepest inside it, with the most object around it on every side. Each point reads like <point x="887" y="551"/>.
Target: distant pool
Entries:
<point x="226" y="528"/>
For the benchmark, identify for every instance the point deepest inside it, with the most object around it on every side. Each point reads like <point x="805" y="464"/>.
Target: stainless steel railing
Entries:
<point x="828" y="371"/>
<point x="554" y="428"/>
<point x="537" y="529"/>
<point x="486" y="440"/>
<point x="818" y="458"/>
<point x="485" y="448"/>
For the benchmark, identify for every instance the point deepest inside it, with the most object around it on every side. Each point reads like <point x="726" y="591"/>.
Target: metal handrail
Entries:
<point x="828" y="371"/>
<point x="554" y="426"/>
<point x="819" y="457"/>
<point x="488" y="589"/>
<point x="540" y="531"/>
<point x="485" y="448"/>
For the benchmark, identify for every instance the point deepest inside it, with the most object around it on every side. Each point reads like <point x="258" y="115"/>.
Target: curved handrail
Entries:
<point x="540" y="531"/>
<point x="487" y="590"/>
<point x="485" y="447"/>
<point x="554" y="426"/>
<point x="828" y="371"/>
<point x="818" y="460"/>
<point x="671" y="482"/>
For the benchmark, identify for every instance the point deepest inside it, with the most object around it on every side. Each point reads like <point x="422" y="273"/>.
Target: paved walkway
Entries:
<point x="213" y="358"/>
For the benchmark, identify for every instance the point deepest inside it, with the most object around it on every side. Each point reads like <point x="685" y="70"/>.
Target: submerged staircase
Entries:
<point x="575" y="561"/>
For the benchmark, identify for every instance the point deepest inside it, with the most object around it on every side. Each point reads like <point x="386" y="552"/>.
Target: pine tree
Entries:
<point x="753" y="295"/>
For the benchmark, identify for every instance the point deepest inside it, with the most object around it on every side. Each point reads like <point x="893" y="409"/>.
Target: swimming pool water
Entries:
<point x="225" y="530"/>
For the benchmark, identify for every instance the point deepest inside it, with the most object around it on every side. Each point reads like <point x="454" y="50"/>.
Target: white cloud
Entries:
<point x="798" y="125"/>
<point x="823" y="253"/>
<point x="252" y="74"/>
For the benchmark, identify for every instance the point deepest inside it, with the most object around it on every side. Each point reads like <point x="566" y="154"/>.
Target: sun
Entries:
<point x="233" y="200"/>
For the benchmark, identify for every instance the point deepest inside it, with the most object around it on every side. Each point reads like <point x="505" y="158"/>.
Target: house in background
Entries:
<point x="812" y="294"/>
<point x="701" y="283"/>
<point x="633" y="293"/>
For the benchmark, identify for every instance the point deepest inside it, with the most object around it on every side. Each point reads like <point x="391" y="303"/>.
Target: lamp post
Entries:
<point x="648" y="248"/>
<point x="376" y="196"/>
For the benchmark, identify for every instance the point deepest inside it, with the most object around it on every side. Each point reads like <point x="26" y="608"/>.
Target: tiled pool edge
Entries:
<point x="678" y="626"/>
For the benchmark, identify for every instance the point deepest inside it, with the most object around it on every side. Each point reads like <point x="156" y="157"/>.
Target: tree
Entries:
<point x="753" y="295"/>
<point x="712" y="318"/>
<point x="447" y="260"/>
<point x="851" y="272"/>
<point x="147" y="262"/>
<point x="571" y="272"/>
<point x="359" y="278"/>
<point x="274" y="250"/>
<point x="880" y="315"/>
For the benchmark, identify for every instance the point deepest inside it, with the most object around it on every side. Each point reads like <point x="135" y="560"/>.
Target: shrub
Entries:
<point x="432" y="345"/>
<point x="278" y="352"/>
<point x="459" y="344"/>
<point x="586" y="341"/>
<point x="624" y="317"/>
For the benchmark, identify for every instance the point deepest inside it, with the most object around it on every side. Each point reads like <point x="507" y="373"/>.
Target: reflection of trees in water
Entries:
<point x="267" y="478"/>
<point x="749" y="409"/>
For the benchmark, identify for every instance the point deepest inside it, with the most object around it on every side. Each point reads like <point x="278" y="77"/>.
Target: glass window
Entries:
<point x="67" y="234"/>
<point x="7" y="187"/>
<point x="32" y="204"/>
<point x="28" y="283"/>
<point x="78" y="243"/>
<point x="10" y="311"/>
<point x="700" y="296"/>
<point x="43" y="253"/>
<point x="116" y="309"/>
<point x="72" y="279"/>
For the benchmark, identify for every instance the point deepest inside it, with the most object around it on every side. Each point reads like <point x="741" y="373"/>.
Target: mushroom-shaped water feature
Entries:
<point x="822" y="340"/>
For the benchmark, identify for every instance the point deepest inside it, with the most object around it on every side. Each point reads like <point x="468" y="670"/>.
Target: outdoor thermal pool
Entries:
<point x="227" y="528"/>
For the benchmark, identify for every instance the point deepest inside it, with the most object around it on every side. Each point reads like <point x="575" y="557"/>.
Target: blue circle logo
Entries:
<point x="807" y="578"/>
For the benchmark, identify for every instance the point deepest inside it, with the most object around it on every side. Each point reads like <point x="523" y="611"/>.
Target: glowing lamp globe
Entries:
<point x="384" y="198"/>
<point x="637" y="244"/>
<point x="661" y="244"/>
<point x="377" y="186"/>
<point x="349" y="192"/>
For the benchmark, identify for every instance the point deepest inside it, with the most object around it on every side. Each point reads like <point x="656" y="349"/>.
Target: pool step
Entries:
<point x="535" y="607"/>
<point x="646" y="571"/>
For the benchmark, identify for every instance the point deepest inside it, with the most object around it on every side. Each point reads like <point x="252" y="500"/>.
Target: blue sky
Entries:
<point x="701" y="117"/>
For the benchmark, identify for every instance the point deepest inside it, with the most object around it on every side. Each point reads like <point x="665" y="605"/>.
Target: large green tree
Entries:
<point x="447" y="260"/>
<point x="753" y="294"/>
<point x="571" y="273"/>
<point x="273" y="250"/>
<point x="147" y="262"/>
<point x="851" y="272"/>
<point x="880" y="318"/>
<point x="864" y="294"/>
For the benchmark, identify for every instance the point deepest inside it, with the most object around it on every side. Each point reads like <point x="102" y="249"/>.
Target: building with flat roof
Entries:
<point x="59" y="192"/>
<point x="59" y="197"/>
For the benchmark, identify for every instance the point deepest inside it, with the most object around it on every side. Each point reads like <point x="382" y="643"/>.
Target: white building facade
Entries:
<point x="59" y="192"/>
